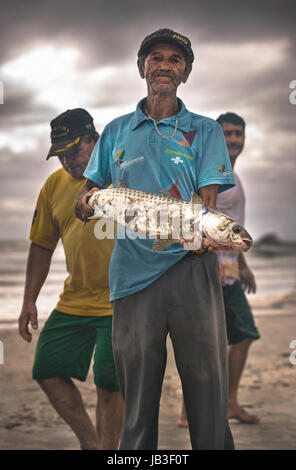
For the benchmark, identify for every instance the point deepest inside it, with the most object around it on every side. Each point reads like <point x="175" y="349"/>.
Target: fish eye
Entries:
<point x="236" y="229"/>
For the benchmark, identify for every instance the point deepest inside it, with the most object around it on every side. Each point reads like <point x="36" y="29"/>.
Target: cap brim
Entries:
<point x="63" y="148"/>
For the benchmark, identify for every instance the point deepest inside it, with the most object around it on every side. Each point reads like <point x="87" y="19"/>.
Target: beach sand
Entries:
<point x="27" y="420"/>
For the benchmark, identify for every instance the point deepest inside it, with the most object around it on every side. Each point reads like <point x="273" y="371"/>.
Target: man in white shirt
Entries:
<point x="236" y="275"/>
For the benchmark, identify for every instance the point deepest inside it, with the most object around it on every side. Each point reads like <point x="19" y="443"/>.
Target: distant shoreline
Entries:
<point x="265" y="307"/>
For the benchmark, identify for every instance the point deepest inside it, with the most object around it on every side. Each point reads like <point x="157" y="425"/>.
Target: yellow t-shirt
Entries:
<point x="86" y="289"/>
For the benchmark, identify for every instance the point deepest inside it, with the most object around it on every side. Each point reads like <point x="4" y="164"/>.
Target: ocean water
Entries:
<point x="275" y="276"/>
<point x="13" y="257"/>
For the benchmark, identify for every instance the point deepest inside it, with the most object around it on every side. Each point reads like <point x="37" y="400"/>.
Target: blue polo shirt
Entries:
<point x="131" y="150"/>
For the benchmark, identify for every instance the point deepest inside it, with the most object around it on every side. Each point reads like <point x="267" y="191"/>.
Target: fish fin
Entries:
<point x="122" y="184"/>
<point x="160" y="245"/>
<point x="168" y="194"/>
<point x="196" y="199"/>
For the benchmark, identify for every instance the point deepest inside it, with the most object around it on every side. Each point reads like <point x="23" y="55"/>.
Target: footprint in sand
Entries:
<point x="12" y="425"/>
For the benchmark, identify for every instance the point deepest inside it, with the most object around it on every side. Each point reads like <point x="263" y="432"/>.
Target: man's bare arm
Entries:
<point x="82" y="209"/>
<point x="38" y="264"/>
<point x="209" y="195"/>
<point x="246" y="276"/>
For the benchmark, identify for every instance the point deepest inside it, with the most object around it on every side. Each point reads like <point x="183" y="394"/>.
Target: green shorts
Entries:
<point x="65" y="348"/>
<point x="239" y="318"/>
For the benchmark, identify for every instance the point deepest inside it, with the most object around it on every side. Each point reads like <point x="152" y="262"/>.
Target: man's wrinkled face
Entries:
<point x="164" y="68"/>
<point x="235" y="139"/>
<point x="76" y="163"/>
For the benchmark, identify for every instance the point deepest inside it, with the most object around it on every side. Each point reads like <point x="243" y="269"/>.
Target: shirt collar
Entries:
<point x="184" y="118"/>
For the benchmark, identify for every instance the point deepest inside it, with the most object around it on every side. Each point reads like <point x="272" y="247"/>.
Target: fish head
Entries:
<point x="225" y="232"/>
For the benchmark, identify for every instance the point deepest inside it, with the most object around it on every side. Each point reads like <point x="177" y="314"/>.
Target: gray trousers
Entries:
<point x="187" y="303"/>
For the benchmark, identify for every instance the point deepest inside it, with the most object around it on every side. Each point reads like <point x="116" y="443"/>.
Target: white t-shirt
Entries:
<point x="231" y="203"/>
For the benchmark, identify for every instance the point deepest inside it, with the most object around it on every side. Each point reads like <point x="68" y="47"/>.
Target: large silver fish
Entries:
<point x="168" y="220"/>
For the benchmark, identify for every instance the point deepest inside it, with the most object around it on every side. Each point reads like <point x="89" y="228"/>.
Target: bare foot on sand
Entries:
<point x="235" y="411"/>
<point x="182" y="422"/>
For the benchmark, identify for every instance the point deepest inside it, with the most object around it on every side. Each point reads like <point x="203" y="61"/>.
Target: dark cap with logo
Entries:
<point x="167" y="35"/>
<point x="67" y="129"/>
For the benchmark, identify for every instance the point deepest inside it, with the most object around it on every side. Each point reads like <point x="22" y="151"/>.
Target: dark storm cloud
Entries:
<point x="19" y="109"/>
<point x="112" y="30"/>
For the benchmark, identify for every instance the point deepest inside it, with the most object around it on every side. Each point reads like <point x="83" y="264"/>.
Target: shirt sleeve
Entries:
<point x="214" y="165"/>
<point x="98" y="168"/>
<point x="44" y="231"/>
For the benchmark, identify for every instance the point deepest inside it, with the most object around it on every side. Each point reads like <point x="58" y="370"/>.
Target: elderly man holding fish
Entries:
<point x="168" y="289"/>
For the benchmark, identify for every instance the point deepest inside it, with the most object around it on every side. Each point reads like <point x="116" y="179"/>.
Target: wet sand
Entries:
<point x="27" y="420"/>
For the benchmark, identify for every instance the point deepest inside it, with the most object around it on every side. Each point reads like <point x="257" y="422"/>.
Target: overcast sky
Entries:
<point x="64" y="54"/>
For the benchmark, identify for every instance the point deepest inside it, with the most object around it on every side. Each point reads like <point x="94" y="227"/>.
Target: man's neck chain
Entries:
<point x="158" y="131"/>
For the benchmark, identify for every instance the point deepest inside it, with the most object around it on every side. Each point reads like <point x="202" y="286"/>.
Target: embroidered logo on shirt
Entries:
<point x="183" y="143"/>
<point x="120" y="154"/>
<point x="177" y="160"/>
<point x="135" y="160"/>
<point x="180" y="154"/>
<point x="221" y="169"/>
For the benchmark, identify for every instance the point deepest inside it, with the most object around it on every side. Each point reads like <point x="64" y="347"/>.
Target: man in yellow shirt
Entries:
<point x="82" y="318"/>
